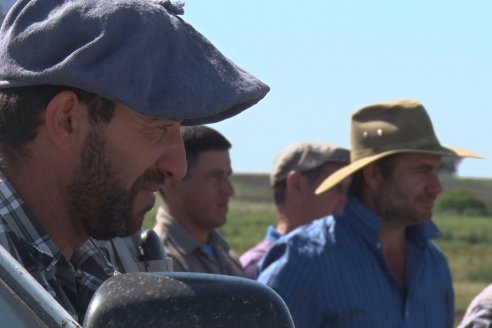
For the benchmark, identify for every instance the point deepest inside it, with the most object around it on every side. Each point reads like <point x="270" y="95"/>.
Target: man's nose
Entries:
<point x="434" y="184"/>
<point x="172" y="162"/>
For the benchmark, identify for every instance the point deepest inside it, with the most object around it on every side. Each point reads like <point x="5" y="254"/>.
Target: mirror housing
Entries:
<point x="185" y="299"/>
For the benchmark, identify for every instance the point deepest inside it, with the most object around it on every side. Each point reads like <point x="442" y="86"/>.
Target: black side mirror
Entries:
<point x="151" y="246"/>
<point x="183" y="299"/>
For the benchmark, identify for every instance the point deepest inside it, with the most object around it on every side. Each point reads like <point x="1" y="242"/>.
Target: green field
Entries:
<point x="466" y="241"/>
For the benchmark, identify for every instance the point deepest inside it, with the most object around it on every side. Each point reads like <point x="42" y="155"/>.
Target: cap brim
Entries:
<point x="345" y="172"/>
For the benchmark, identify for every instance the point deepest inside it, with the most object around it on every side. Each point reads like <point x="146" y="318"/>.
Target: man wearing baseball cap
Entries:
<point x="374" y="264"/>
<point x="297" y="171"/>
<point x="92" y="97"/>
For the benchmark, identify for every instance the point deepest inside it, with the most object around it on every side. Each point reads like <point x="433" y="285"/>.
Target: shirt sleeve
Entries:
<point x="292" y="273"/>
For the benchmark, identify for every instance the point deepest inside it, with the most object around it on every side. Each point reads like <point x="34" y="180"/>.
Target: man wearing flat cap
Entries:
<point x="297" y="171"/>
<point x="374" y="264"/>
<point x="92" y="97"/>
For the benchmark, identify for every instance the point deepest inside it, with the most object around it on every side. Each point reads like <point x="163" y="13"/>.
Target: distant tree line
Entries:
<point x="462" y="202"/>
<point x="450" y="165"/>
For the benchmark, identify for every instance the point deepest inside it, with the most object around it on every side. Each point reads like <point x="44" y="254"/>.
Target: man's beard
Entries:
<point x="99" y="200"/>
<point x="393" y="204"/>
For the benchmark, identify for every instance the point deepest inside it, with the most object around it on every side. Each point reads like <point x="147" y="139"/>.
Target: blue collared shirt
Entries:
<point x="332" y="273"/>
<point x="272" y="233"/>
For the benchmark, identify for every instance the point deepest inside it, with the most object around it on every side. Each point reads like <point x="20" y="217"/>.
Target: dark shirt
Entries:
<point x="71" y="282"/>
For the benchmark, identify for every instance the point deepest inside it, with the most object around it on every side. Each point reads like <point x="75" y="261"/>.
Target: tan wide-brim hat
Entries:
<point x="380" y="130"/>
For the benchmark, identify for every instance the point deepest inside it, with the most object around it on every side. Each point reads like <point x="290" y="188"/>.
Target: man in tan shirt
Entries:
<point x="196" y="206"/>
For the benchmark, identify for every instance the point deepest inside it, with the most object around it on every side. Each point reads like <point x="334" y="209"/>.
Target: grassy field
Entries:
<point x="466" y="241"/>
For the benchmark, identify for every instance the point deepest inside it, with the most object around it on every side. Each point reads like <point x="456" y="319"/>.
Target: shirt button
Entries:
<point x="378" y="245"/>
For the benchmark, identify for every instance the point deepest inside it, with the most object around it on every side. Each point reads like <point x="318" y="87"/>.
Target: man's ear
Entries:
<point x="294" y="181"/>
<point x="62" y="118"/>
<point x="372" y="176"/>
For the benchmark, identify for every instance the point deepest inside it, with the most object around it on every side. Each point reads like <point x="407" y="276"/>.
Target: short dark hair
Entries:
<point x="200" y="138"/>
<point x="311" y="176"/>
<point x="21" y="111"/>
<point x="357" y="184"/>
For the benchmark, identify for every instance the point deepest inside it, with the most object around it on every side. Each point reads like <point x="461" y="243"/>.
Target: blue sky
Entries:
<point x="324" y="59"/>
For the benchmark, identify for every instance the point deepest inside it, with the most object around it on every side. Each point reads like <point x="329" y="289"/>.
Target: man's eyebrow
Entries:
<point x="161" y="120"/>
<point x="220" y="172"/>
<point x="157" y="122"/>
<point x="430" y="166"/>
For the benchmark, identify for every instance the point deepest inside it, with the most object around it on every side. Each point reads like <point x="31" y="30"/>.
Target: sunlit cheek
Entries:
<point x="434" y="186"/>
<point x="222" y="187"/>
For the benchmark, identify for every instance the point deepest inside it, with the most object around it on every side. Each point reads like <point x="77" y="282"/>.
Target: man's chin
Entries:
<point x="136" y="224"/>
<point x="101" y="235"/>
<point x="219" y="222"/>
<point x="129" y="229"/>
<point x="145" y="199"/>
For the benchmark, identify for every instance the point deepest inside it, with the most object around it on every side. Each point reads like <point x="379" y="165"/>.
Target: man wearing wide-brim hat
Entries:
<point x="374" y="264"/>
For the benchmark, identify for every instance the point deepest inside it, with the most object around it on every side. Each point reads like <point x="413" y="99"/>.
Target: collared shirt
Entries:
<point x="72" y="283"/>
<point x="187" y="252"/>
<point x="134" y="254"/>
<point x="479" y="312"/>
<point x="251" y="258"/>
<point x="332" y="273"/>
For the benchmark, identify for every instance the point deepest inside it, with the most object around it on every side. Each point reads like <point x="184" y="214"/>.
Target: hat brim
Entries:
<point x="346" y="171"/>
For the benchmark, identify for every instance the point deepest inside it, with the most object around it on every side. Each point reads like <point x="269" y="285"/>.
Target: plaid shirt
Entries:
<point x="72" y="283"/>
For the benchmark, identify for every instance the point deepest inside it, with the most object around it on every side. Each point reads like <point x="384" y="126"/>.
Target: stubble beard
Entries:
<point x="98" y="199"/>
<point x="396" y="207"/>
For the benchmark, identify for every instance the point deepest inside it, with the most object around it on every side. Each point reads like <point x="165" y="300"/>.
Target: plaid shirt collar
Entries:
<point x="72" y="283"/>
<point x="25" y="227"/>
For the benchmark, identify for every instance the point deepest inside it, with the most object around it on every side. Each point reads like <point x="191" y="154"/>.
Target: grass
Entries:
<point x="466" y="241"/>
<point x="247" y="224"/>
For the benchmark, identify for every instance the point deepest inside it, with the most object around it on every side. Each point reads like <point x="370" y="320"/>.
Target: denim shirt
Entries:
<point x="332" y="273"/>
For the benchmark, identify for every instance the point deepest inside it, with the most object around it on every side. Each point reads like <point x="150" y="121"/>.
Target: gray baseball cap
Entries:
<point x="137" y="52"/>
<point x="305" y="156"/>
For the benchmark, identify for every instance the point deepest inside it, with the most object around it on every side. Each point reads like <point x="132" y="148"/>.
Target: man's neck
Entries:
<point x="288" y="219"/>
<point x="393" y="239"/>
<point x="282" y="224"/>
<point x="200" y="234"/>
<point x="44" y="202"/>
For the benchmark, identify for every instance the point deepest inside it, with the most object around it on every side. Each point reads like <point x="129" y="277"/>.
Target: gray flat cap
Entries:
<point x="305" y="156"/>
<point x="132" y="51"/>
